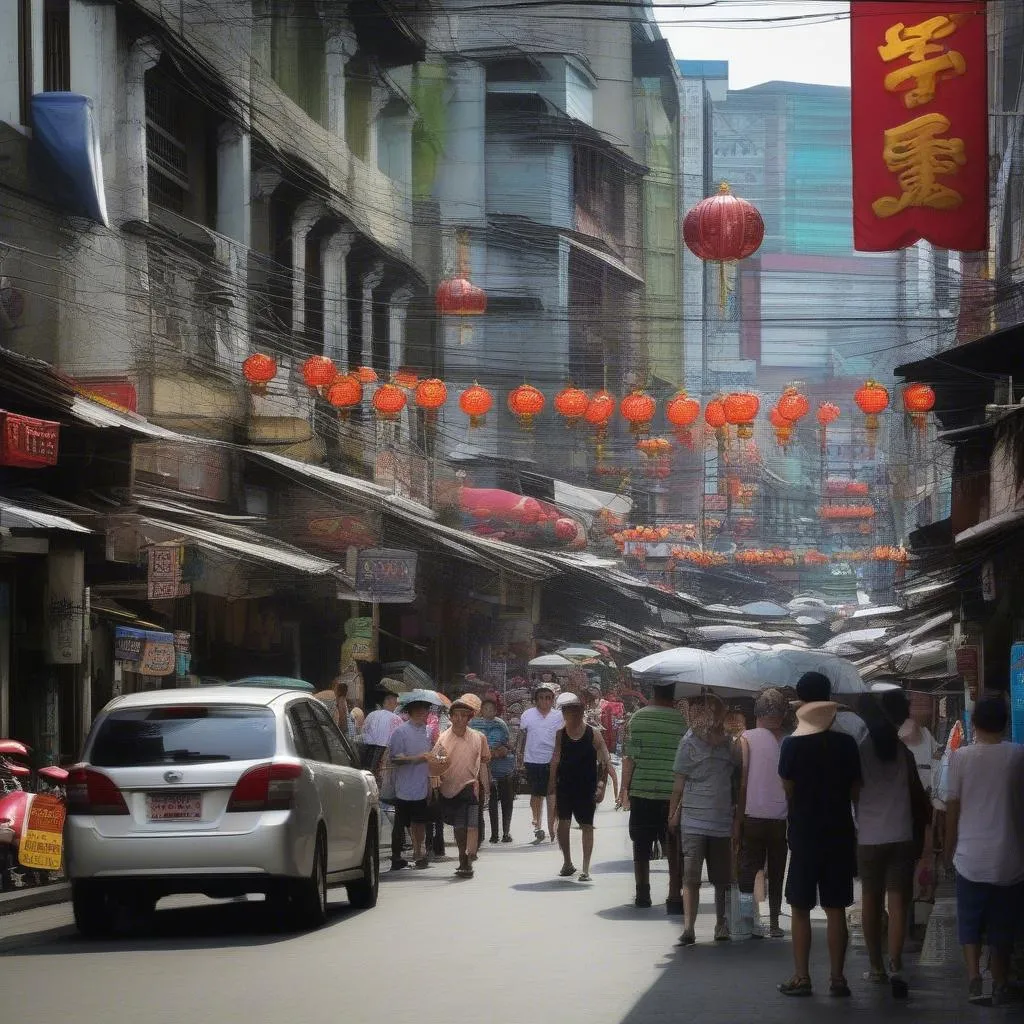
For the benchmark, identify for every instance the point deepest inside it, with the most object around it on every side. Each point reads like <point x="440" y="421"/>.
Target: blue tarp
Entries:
<point x="68" y="152"/>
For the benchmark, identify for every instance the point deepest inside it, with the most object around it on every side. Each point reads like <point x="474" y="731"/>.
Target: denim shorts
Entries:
<point x="988" y="913"/>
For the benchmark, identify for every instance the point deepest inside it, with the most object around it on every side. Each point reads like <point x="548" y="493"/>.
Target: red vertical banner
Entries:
<point x="919" y="124"/>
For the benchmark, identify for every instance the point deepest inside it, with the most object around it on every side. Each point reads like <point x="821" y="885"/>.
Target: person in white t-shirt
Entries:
<point x="378" y="727"/>
<point x="538" y="727"/>
<point x="985" y="839"/>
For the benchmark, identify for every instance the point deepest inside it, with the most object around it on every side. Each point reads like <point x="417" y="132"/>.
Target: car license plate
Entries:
<point x="174" y="806"/>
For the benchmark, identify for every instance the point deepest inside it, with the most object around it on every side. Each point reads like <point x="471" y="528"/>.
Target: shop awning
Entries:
<point x="102" y="416"/>
<point x="21" y="517"/>
<point x="604" y="257"/>
<point x="991" y="528"/>
<point x="247" y="543"/>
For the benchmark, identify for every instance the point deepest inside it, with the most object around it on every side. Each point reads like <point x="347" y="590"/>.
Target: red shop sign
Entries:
<point x="27" y="442"/>
<point x="919" y="124"/>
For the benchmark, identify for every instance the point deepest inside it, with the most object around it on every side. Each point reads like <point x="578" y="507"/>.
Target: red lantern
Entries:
<point x="782" y="425"/>
<point x="827" y="413"/>
<point x="431" y="394"/>
<point x="792" y="405"/>
<point x="714" y="414"/>
<point x="918" y="400"/>
<point x="344" y="394"/>
<point x="259" y="370"/>
<point x="366" y="375"/>
<point x="458" y="296"/>
<point x="638" y="410"/>
<point x="388" y="401"/>
<point x="318" y="372"/>
<point x="572" y="404"/>
<point x="406" y="379"/>
<point x="601" y="409"/>
<point x="723" y="227"/>
<point x="526" y="402"/>
<point x="872" y="399"/>
<point x="741" y="408"/>
<point x="682" y="411"/>
<point x="476" y="403"/>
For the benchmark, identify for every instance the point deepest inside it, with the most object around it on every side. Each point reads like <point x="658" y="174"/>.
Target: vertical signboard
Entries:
<point x="1017" y="692"/>
<point x="919" y="124"/>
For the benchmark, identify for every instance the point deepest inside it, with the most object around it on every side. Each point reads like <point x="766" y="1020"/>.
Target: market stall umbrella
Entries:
<point x="765" y="610"/>
<point x="551" y="661"/>
<point x="729" y="632"/>
<point x="784" y="664"/>
<point x="694" y="670"/>
<point x="878" y="611"/>
<point x="579" y="653"/>
<point x="423" y="697"/>
<point x="855" y="641"/>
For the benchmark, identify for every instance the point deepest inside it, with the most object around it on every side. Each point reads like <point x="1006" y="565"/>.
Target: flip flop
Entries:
<point x="797" y="987"/>
<point x="585" y="876"/>
<point x="567" y="871"/>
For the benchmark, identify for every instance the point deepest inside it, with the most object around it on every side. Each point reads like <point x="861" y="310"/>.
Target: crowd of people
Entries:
<point x="837" y="794"/>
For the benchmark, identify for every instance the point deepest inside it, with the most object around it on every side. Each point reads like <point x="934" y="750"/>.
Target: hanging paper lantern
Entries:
<point x="345" y="394"/>
<point x="723" y="227"/>
<point x="458" y="296"/>
<point x="388" y="401"/>
<point x="525" y="402"/>
<point x="792" y="405"/>
<point x="572" y="404"/>
<point x="431" y="394"/>
<point x="682" y="411"/>
<point x="827" y="413"/>
<point x="638" y="410"/>
<point x="714" y="414"/>
<point x="407" y="379"/>
<point x="366" y="375"/>
<point x="259" y="370"/>
<point x="741" y="408"/>
<point x="601" y="409"/>
<point x="782" y="425"/>
<point x="872" y="399"/>
<point x="318" y="372"/>
<point x="918" y="400"/>
<point x="476" y="403"/>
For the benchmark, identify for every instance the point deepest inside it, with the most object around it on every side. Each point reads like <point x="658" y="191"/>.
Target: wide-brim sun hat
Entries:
<point x="470" y="701"/>
<point x="814" y="717"/>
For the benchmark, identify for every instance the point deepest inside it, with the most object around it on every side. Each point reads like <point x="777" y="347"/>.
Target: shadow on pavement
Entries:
<point x="552" y="885"/>
<point x="609" y="867"/>
<point x="209" y="926"/>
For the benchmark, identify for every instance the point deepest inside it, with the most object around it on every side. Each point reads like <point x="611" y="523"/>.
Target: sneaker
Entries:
<point x="422" y="863"/>
<point x="397" y="865"/>
<point x="643" y="900"/>
<point x="493" y="839"/>
<point x="585" y="877"/>
<point x="775" y="932"/>
<point x="538" y="834"/>
<point x="674" y="906"/>
<point x="975" y="991"/>
<point x="506" y="838"/>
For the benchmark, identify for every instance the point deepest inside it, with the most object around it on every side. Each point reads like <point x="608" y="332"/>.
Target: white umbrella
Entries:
<point x="765" y="610"/>
<point x="550" y="661"/>
<point x="693" y="670"/>
<point x="929" y="654"/>
<point x="725" y="632"/>
<point x="872" y="612"/>
<point x="784" y="664"/>
<point x="578" y="652"/>
<point x="855" y="641"/>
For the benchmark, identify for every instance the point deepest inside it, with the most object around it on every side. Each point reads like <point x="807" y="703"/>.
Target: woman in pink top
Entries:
<point x="760" y="827"/>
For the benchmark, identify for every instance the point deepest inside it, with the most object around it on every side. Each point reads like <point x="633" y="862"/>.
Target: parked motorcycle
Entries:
<point x="17" y="788"/>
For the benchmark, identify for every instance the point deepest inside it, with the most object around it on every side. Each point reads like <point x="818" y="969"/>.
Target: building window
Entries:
<point x="298" y="55"/>
<point x="56" y="46"/>
<point x="24" y="60"/>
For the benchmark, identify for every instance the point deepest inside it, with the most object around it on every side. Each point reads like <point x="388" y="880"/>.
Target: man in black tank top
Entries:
<point x="579" y="771"/>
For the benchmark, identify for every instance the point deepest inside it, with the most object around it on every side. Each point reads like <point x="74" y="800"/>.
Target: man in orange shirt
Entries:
<point x="461" y="759"/>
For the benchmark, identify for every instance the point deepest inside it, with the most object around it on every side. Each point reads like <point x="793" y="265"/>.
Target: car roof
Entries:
<point x="257" y="695"/>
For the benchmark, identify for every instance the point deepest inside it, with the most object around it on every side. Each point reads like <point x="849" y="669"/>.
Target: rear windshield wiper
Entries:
<point x="193" y="755"/>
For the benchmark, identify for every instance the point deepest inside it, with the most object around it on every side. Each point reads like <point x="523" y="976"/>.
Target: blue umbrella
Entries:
<point x="421" y="697"/>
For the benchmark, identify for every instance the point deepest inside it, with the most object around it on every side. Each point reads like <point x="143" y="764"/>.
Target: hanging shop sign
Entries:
<point x="182" y="653"/>
<point x="147" y="651"/>
<point x="1017" y="693"/>
<point x="164" y="581"/>
<point x="65" y="605"/>
<point x="26" y="442"/>
<point x="113" y="392"/>
<point x="358" y="644"/>
<point x="968" y="666"/>
<point x="42" y="838"/>
<point x="386" y="576"/>
<point x="919" y="125"/>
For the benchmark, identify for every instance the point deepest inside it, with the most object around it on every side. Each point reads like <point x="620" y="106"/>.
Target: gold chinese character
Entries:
<point x="916" y="154"/>
<point x="917" y="41"/>
<point x="924" y="76"/>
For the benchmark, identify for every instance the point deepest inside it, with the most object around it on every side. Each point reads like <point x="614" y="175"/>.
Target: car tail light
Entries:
<point x="267" y="787"/>
<point x="91" y="792"/>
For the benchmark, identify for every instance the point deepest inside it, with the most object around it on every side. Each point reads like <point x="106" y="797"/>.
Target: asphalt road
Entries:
<point x="515" y="945"/>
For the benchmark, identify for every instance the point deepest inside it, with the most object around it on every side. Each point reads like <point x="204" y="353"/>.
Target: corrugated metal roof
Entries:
<point x="14" y="516"/>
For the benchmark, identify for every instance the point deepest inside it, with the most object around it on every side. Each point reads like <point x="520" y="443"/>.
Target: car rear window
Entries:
<point x="178" y="735"/>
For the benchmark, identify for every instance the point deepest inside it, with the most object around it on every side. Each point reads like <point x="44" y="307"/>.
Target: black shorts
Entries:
<point x="462" y="810"/>
<point x="574" y="804"/>
<point x="821" y="875"/>
<point x="648" y="820"/>
<point x="412" y="812"/>
<point x="539" y="777"/>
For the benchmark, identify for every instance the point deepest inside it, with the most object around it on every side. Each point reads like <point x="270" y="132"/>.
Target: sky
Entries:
<point x="815" y="47"/>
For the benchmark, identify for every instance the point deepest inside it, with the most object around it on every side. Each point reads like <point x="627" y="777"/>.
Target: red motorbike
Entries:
<point x="16" y="792"/>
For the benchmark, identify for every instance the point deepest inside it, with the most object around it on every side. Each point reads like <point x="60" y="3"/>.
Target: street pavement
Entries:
<point x="514" y="945"/>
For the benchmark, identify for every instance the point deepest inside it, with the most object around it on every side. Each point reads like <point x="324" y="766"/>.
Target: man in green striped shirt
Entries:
<point x="647" y="779"/>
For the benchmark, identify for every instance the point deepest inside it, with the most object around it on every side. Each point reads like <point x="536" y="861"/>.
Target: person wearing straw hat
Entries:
<point x="821" y="775"/>
<point x="462" y="760"/>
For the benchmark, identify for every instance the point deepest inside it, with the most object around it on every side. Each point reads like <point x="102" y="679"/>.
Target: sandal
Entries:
<point x="839" y="988"/>
<point x="506" y="838"/>
<point x="687" y="939"/>
<point x="797" y="987"/>
<point x="567" y="871"/>
<point x="463" y="872"/>
<point x="585" y="876"/>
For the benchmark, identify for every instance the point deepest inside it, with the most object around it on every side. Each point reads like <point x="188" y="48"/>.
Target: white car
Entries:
<point x="223" y="791"/>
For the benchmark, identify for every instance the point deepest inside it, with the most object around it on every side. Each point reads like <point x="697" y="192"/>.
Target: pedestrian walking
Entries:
<point x="503" y="768"/>
<point x="925" y="750"/>
<point x="579" y="772"/>
<point x="409" y="753"/>
<point x="760" y="832"/>
<point x="816" y="686"/>
<point x="655" y="732"/>
<point x="890" y="797"/>
<point x="985" y="842"/>
<point x="461" y="758"/>
<point x="820" y="771"/>
<point x="379" y="726"/>
<point x="538" y="727"/>
<point x="705" y="767"/>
